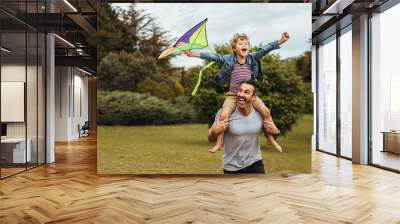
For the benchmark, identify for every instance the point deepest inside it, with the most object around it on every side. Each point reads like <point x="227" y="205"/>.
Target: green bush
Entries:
<point x="309" y="99"/>
<point x="128" y="108"/>
<point x="157" y="89"/>
<point x="185" y="103"/>
<point x="179" y="90"/>
<point x="207" y="102"/>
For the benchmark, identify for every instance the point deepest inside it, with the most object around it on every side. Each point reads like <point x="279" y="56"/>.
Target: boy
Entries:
<point x="237" y="68"/>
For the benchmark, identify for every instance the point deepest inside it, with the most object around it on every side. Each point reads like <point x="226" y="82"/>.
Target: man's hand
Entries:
<point x="285" y="37"/>
<point x="192" y="54"/>
<point x="220" y="126"/>
<point x="217" y="128"/>
<point x="270" y="127"/>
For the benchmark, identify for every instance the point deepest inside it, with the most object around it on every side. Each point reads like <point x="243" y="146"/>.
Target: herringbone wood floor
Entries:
<point x="69" y="191"/>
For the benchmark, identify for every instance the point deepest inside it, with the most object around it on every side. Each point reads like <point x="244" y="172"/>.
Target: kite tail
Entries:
<point x="199" y="76"/>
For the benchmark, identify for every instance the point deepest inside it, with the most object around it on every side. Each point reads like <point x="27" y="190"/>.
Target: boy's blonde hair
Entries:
<point x="236" y="37"/>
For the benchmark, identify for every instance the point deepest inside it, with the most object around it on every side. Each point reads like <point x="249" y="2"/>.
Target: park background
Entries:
<point x="148" y="121"/>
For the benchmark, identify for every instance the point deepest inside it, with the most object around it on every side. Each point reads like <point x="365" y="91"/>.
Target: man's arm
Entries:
<point x="207" y="56"/>
<point x="216" y="129"/>
<point x="272" y="46"/>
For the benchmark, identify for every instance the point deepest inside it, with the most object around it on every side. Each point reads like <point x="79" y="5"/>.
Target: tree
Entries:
<point x="303" y="64"/>
<point x="109" y="33"/>
<point x="129" y="30"/>
<point x="123" y="71"/>
<point x="129" y="44"/>
<point x="207" y="103"/>
<point x="282" y="91"/>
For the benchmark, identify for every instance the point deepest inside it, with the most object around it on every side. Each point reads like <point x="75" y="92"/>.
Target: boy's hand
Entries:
<point x="192" y="54"/>
<point x="285" y="37"/>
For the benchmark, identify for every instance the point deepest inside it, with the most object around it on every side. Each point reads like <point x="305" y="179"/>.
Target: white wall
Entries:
<point x="62" y="81"/>
<point x="81" y="112"/>
<point x="71" y="94"/>
<point x="13" y="72"/>
<point x="314" y="91"/>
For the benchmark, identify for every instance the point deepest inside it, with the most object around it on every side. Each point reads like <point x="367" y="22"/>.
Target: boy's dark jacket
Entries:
<point x="253" y="60"/>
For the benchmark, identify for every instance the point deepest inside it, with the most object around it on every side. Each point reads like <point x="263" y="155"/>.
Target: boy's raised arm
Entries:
<point x="208" y="56"/>
<point x="272" y="46"/>
<point x="285" y="37"/>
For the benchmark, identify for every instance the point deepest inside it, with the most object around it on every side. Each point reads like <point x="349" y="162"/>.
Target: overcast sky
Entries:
<point x="263" y="23"/>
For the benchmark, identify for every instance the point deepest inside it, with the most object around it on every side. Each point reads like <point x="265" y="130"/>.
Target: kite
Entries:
<point x="195" y="38"/>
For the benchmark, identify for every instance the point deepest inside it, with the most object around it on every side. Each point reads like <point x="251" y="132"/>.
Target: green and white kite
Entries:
<point x="195" y="38"/>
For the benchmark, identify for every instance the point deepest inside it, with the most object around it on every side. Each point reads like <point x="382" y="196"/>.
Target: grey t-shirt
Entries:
<point x="241" y="146"/>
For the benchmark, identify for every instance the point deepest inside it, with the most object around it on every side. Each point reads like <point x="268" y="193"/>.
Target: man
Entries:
<point x="242" y="152"/>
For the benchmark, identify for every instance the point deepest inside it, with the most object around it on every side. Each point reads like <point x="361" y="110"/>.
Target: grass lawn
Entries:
<point x="183" y="149"/>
